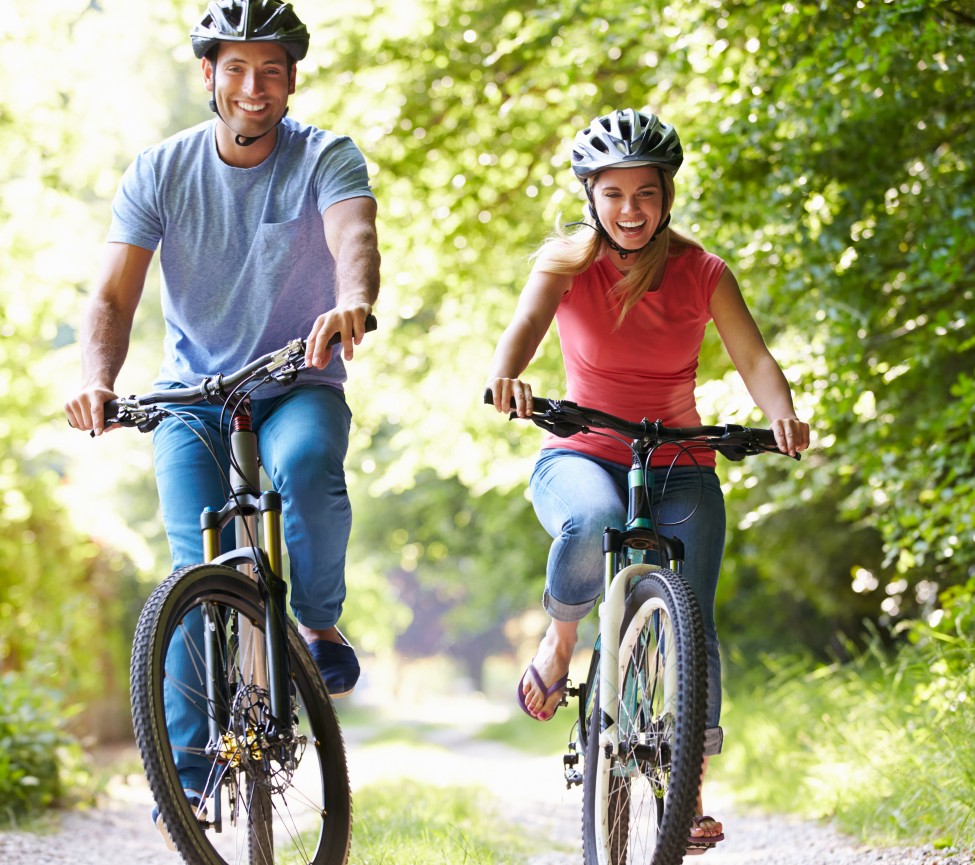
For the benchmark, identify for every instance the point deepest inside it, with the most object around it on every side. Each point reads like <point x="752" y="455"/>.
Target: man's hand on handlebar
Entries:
<point x="86" y="410"/>
<point x="348" y="324"/>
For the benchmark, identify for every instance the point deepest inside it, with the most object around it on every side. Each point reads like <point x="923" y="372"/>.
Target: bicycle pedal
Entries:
<point x="573" y="778"/>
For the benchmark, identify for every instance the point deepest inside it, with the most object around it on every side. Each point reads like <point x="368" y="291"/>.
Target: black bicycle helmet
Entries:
<point x="626" y="138"/>
<point x="250" y="21"/>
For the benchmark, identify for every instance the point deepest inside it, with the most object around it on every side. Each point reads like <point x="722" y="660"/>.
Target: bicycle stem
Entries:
<point x="639" y="483"/>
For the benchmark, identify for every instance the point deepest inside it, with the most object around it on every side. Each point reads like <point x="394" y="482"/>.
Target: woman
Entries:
<point x="631" y="297"/>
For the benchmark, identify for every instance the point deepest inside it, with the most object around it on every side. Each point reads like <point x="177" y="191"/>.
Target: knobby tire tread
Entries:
<point x="146" y="674"/>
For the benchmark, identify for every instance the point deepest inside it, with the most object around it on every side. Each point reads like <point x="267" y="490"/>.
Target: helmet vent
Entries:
<point x="626" y="139"/>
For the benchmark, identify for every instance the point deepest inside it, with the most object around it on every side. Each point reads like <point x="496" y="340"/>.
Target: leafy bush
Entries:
<point x="881" y="744"/>
<point x="39" y="761"/>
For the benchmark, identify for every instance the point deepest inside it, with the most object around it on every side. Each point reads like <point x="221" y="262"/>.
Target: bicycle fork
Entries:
<point x="625" y="554"/>
<point x="255" y="515"/>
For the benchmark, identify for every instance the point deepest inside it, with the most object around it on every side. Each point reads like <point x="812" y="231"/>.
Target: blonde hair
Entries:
<point x="571" y="253"/>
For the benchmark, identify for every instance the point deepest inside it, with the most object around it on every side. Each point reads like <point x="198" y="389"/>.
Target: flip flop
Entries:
<point x="548" y="691"/>
<point x="698" y="844"/>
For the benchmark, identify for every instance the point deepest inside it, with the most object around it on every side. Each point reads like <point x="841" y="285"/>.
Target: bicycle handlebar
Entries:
<point x="565" y="418"/>
<point x="282" y="365"/>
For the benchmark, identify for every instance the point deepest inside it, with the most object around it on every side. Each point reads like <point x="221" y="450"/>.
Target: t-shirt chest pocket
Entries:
<point x="277" y="246"/>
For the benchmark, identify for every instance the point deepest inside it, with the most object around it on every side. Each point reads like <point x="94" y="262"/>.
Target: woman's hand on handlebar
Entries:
<point x="506" y="390"/>
<point x="86" y="410"/>
<point x="348" y="323"/>
<point x="791" y="435"/>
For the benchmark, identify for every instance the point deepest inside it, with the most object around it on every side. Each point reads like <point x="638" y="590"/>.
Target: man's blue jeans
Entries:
<point x="577" y="496"/>
<point x="303" y="438"/>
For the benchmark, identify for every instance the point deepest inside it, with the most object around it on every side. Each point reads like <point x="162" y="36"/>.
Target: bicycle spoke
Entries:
<point x="276" y="793"/>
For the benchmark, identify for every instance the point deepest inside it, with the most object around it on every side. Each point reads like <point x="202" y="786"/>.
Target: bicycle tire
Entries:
<point x="638" y="803"/>
<point x="293" y="797"/>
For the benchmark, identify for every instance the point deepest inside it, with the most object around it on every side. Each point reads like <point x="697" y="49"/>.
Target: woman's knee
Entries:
<point x="590" y="523"/>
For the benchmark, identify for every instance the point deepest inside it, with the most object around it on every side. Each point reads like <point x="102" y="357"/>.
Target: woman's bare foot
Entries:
<point x="552" y="663"/>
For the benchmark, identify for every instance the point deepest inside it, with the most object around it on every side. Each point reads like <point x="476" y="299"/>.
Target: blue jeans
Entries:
<point x="304" y="436"/>
<point x="577" y="496"/>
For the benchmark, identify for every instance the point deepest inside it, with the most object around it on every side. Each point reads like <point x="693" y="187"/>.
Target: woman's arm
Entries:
<point x="533" y="316"/>
<point x="761" y="373"/>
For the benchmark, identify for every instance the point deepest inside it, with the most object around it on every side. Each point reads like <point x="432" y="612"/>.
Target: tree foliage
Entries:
<point x="828" y="160"/>
<point x="67" y="598"/>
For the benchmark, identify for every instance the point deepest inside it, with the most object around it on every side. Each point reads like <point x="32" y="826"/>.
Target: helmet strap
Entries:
<point x="623" y="253"/>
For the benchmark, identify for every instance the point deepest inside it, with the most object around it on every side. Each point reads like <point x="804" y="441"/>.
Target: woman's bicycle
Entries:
<point x="641" y="720"/>
<point x="278" y="786"/>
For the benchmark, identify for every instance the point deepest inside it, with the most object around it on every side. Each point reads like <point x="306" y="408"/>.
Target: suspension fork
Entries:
<point x="256" y="516"/>
<point x="639" y="523"/>
<point x="610" y="620"/>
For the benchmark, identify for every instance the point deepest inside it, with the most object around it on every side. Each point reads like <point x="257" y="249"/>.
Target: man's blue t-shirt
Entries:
<point x="244" y="261"/>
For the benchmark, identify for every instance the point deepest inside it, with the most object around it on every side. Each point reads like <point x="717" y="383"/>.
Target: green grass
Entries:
<point x="534" y="737"/>
<point x="881" y="745"/>
<point x="422" y="825"/>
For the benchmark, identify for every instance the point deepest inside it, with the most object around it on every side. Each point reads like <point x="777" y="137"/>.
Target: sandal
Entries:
<point x="548" y="691"/>
<point x="698" y="844"/>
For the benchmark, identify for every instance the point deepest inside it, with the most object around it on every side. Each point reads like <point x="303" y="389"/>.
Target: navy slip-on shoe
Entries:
<point x="338" y="665"/>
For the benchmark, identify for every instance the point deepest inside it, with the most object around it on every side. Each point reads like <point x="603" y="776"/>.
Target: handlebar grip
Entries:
<point x="371" y="325"/>
<point x="110" y="410"/>
<point x="764" y="436"/>
<point x="539" y="403"/>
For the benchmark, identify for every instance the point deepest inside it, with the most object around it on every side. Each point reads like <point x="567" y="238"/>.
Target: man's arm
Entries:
<point x="350" y="232"/>
<point x="105" y="332"/>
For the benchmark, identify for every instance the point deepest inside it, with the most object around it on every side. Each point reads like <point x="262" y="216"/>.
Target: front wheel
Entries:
<point x="639" y="797"/>
<point x="202" y="717"/>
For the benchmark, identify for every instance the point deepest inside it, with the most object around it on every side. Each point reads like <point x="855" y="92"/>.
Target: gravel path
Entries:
<point x="527" y="790"/>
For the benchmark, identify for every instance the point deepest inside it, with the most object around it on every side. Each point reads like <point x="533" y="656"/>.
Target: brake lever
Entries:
<point x="560" y="428"/>
<point x="142" y="418"/>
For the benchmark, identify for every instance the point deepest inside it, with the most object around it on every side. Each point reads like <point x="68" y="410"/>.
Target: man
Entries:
<point x="266" y="229"/>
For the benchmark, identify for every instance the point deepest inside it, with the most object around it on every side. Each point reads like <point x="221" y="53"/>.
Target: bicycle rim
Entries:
<point x="639" y="801"/>
<point x="267" y="802"/>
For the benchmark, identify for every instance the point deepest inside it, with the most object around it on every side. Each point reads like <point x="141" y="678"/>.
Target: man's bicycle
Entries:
<point x="641" y="720"/>
<point x="278" y="786"/>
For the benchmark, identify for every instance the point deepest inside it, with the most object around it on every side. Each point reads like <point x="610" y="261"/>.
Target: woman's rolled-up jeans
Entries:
<point x="577" y="496"/>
